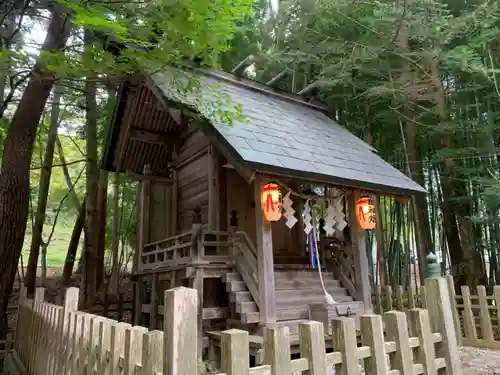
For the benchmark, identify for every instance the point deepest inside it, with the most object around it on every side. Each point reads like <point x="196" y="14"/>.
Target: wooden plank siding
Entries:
<point x="192" y="179"/>
<point x="160" y="212"/>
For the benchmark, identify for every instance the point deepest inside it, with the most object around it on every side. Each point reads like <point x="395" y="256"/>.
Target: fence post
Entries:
<point x="235" y="352"/>
<point x="312" y="344"/>
<point x="19" y="320"/>
<point x="152" y="348"/>
<point x="437" y="298"/>
<point x="133" y="348"/>
<point x="70" y="304"/>
<point x="454" y="310"/>
<point x="372" y="335"/>
<point x="396" y="327"/>
<point x="180" y="349"/>
<point x="277" y="350"/>
<point x="420" y="327"/>
<point x="35" y="327"/>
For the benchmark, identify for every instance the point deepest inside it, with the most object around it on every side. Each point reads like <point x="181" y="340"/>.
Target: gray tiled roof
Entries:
<point x="283" y="135"/>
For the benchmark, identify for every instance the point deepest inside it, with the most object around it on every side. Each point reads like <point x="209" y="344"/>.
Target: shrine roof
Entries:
<point x="282" y="134"/>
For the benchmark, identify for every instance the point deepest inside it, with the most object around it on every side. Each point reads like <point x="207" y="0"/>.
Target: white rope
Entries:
<point x="328" y="297"/>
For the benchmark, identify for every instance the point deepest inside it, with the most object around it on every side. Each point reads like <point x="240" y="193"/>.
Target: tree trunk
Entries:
<point x="115" y="240"/>
<point x="43" y="264"/>
<point x="69" y="263"/>
<point x="465" y="264"/>
<point x="67" y="177"/>
<point x="43" y="192"/>
<point x="102" y="203"/>
<point x="102" y="198"/>
<point x="92" y="260"/>
<point x="413" y="157"/>
<point x="9" y="26"/>
<point x="15" y="172"/>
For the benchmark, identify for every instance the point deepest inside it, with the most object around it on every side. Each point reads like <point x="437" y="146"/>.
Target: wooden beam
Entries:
<point x="149" y="177"/>
<point x="309" y="89"/>
<point x="300" y="236"/>
<point x="154" y="303"/>
<point x="247" y="174"/>
<point x="173" y="211"/>
<point x="143" y="238"/>
<point x="197" y="282"/>
<point x="265" y="260"/>
<point x="245" y="63"/>
<point x="209" y="313"/>
<point x="273" y="82"/>
<point x="143" y="135"/>
<point x="361" y="269"/>
<point x="213" y="189"/>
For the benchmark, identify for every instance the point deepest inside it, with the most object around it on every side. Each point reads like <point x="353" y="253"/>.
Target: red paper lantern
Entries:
<point x="403" y="199"/>
<point x="366" y="213"/>
<point x="270" y="202"/>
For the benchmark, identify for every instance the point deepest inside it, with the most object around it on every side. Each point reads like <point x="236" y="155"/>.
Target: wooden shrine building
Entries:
<point x="209" y="204"/>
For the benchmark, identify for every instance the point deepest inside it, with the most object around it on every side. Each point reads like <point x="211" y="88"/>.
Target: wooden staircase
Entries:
<point x="296" y="289"/>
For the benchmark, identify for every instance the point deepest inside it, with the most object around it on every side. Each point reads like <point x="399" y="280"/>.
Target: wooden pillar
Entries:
<point x="154" y="302"/>
<point x="362" y="281"/>
<point x="223" y="204"/>
<point x="265" y="261"/>
<point x="298" y="205"/>
<point x="173" y="206"/>
<point x="213" y="190"/>
<point x="198" y="286"/>
<point x="142" y="239"/>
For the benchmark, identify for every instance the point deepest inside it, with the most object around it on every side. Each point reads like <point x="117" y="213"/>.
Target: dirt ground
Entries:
<point x="478" y="361"/>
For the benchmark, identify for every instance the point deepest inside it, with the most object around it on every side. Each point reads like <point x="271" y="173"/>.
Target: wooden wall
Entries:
<point x="240" y="198"/>
<point x="192" y="179"/>
<point x="285" y="244"/>
<point x="160" y="211"/>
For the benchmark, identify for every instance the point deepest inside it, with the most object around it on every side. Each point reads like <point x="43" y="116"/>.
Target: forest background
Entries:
<point x="417" y="79"/>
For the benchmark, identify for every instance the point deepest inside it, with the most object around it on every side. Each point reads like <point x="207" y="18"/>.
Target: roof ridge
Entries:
<point x="260" y="87"/>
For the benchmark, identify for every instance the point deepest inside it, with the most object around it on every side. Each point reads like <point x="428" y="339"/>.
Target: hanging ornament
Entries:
<point x="340" y="217"/>
<point x="288" y="211"/>
<point x="335" y="217"/>
<point x="330" y="218"/>
<point x="307" y="217"/>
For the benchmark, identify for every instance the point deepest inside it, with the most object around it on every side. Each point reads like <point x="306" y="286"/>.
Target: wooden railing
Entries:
<point x="172" y="251"/>
<point x="198" y="244"/>
<point x="246" y="262"/>
<point x="215" y="246"/>
<point x="343" y="265"/>
<point x="61" y="340"/>
<point x="476" y="315"/>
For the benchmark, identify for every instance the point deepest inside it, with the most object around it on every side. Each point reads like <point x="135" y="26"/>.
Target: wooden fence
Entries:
<point x="388" y="298"/>
<point x="476" y="316"/>
<point x="58" y="340"/>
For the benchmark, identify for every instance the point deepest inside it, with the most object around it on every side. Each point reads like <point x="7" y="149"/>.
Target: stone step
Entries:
<point x="246" y="307"/>
<point x="304" y="283"/>
<point x="231" y="276"/>
<point x="304" y="294"/>
<point x="240" y="297"/>
<point x="236" y="286"/>
<point x="301" y="274"/>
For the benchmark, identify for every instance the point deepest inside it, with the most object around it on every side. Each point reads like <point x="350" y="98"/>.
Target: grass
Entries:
<point x="58" y="247"/>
